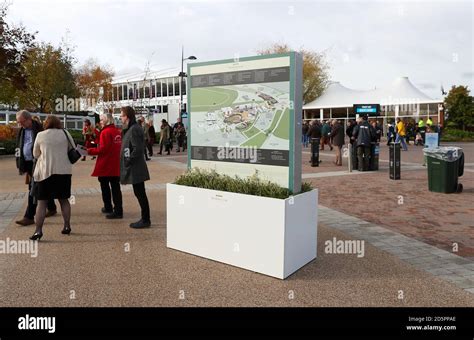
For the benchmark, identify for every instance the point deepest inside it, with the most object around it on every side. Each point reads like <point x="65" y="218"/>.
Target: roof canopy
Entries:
<point x="401" y="91"/>
<point x="150" y="75"/>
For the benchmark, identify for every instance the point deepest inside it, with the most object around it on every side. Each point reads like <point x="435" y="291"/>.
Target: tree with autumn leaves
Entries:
<point x="315" y="70"/>
<point x="35" y="75"/>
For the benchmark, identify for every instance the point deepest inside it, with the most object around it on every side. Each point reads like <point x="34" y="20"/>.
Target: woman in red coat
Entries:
<point x="107" y="167"/>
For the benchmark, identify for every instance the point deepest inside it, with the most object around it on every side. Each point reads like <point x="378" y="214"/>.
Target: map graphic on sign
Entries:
<point x="242" y="115"/>
<point x="242" y="104"/>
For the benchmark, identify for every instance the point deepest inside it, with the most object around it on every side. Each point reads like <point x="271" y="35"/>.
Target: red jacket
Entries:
<point x="108" y="151"/>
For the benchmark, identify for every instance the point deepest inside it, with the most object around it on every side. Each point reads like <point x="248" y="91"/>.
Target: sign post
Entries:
<point x="245" y="117"/>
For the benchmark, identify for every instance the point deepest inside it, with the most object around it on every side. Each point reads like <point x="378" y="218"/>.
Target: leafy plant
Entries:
<point x="252" y="185"/>
<point x="7" y="132"/>
<point x="456" y="135"/>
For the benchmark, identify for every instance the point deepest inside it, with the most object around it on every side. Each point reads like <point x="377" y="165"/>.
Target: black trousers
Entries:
<point x="166" y="148"/>
<point x="363" y="157"/>
<point x="140" y="194"/>
<point x="149" y="146"/>
<point x="31" y="207"/>
<point x="110" y="187"/>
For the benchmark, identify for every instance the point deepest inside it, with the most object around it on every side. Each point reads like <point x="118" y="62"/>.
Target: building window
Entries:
<point x="153" y="90"/>
<point x="176" y="86"/>
<point x="158" y="88"/>
<point x="141" y="91"/>
<point x="125" y="92"/>
<point x="183" y="86"/>
<point x="130" y="93"/>
<point x="120" y="94"/>
<point x="115" y="93"/>
<point x="164" y="88"/>
<point x="165" y="109"/>
<point x="170" y="87"/>
<point x="147" y="92"/>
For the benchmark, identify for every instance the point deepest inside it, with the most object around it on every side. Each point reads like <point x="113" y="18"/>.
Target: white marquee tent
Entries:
<point x="400" y="98"/>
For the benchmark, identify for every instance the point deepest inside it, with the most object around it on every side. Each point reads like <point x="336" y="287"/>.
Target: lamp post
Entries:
<point x="182" y="75"/>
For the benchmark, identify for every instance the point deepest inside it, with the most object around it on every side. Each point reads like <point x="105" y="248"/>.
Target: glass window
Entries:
<point x="153" y="90"/>
<point x="147" y="92"/>
<point x="170" y="87"/>
<point x="183" y="86"/>
<point x="158" y="88"/>
<point x="141" y="91"/>
<point x="115" y="93"/>
<point x="176" y="86"/>
<point x="130" y="93"/>
<point x="120" y="94"/>
<point x="164" y="88"/>
<point x="165" y="108"/>
<point x="125" y="92"/>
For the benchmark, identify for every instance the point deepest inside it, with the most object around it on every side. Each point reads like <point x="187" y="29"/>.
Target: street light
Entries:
<point x="182" y="75"/>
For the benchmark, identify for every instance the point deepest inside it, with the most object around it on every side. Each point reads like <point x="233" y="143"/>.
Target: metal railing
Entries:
<point x="70" y="122"/>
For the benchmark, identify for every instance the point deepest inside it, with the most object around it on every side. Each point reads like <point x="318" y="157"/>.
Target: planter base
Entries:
<point x="270" y="236"/>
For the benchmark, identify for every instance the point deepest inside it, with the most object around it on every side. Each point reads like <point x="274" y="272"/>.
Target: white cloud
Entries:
<point x="367" y="43"/>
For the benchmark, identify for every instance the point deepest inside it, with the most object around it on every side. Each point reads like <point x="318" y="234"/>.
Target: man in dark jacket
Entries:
<point x="314" y="134"/>
<point x="325" y="131"/>
<point x="337" y="135"/>
<point x="24" y="162"/>
<point x="363" y="134"/>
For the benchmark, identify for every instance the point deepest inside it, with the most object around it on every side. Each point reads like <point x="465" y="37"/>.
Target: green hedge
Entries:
<point x="7" y="147"/>
<point x="456" y="135"/>
<point x="250" y="186"/>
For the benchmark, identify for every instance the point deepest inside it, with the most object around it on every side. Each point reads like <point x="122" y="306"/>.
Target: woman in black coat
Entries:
<point x="133" y="168"/>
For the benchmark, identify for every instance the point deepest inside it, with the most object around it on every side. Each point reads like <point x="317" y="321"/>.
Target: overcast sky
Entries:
<point x="367" y="44"/>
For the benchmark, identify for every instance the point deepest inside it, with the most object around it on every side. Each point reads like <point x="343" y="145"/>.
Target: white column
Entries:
<point x="417" y="112"/>
<point x="428" y="109"/>
<point x="347" y="113"/>
<point x="397" y="109"/>
<point x="321" y="114"/>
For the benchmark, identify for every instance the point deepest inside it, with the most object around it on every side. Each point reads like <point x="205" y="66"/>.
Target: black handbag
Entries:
<point x="72" y="153"/>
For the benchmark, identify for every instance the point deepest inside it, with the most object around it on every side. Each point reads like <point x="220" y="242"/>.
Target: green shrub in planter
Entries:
<point x="250" y="186"/>
<point x="8" y="146"/>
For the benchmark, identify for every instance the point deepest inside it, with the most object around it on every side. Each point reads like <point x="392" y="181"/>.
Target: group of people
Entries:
<point x="329" y="133"/>
<point x="360" y="132"/>
<point x="168" y="133"/>
<point x="402" y="131"/>
<point x="43" y="158"/>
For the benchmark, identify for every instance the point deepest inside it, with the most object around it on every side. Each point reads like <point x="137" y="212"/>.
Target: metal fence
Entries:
<point x="70" y="122"/>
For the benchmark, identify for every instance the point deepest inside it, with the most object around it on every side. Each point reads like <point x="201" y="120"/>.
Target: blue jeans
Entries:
<point x="401" y="139"/>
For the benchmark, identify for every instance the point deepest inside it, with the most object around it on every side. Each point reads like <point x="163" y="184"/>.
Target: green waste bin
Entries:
<point x="445" y="166"/>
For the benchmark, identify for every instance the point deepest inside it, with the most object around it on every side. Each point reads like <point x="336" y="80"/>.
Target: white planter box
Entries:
<point x="270" y="236"/>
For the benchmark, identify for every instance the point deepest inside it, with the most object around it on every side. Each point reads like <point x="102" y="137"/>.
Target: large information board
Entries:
<point x="245" y="117"/>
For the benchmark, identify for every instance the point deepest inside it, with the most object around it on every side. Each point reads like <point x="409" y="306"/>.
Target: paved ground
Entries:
<point x="91" y="267"/>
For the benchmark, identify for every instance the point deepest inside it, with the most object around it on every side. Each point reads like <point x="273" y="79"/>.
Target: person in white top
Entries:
<point x="53" y="172"/>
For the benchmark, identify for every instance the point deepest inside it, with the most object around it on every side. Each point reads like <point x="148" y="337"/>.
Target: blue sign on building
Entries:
<point x="367" y="109"/>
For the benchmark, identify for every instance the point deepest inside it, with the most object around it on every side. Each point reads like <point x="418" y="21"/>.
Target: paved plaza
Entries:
<point x="408" y="260"/>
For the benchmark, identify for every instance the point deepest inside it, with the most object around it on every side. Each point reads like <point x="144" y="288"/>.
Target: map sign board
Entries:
<point x="245" y="117"/>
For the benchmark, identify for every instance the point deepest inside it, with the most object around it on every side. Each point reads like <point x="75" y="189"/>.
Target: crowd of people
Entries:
<point x="362" y="133"/>
<point x="44" y="159"/>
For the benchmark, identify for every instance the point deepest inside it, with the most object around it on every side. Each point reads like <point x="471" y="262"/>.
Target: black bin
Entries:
<point x="394" y="160"/>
